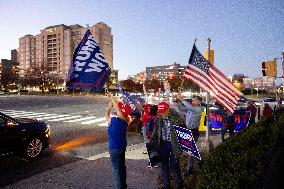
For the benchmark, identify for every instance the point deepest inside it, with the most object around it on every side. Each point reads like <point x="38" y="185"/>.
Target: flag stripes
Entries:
<point x="210" y="79"/>
<point x="216" y="87"/>
<point x="207" y="88"/>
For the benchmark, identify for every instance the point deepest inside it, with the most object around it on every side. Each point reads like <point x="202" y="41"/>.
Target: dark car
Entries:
<point x="23" y="136"/>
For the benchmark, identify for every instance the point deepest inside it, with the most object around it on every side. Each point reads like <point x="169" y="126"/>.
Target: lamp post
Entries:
<point x="42" y="82"/>
<point x="57" y="81"/>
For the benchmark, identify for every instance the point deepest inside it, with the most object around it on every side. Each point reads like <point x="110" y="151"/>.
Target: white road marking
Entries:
<point x="94" y="121"/>
<point x="57" y="117"/>
<point x="65" y="118"/>
<point x="80" y="119"/>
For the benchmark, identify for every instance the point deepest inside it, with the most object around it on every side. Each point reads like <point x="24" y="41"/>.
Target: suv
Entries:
<point x="27" y="137"/>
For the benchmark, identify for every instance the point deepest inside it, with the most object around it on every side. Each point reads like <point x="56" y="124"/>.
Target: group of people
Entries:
<point x="158" y="128"/>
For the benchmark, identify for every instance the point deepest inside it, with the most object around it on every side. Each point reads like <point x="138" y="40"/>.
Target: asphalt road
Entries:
<point x="76" y="122"/>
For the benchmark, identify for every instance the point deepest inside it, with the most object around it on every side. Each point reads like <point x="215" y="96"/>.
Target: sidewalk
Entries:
<point x="95" y="172"/>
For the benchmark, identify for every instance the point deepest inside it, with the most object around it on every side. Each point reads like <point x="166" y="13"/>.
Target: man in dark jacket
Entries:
<point x="165" y="137"/>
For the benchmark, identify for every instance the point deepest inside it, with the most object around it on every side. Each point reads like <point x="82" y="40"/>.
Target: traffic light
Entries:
<point x="269" y="68"/>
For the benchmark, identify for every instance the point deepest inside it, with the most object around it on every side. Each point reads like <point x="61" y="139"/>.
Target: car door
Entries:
<point x="9" y="135"/>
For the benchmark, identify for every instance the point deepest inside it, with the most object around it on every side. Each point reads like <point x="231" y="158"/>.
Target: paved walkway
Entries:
<point x="96" y="173"/>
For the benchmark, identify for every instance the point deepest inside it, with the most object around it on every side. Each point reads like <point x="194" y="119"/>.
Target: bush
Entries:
<point x="240" y="159"/>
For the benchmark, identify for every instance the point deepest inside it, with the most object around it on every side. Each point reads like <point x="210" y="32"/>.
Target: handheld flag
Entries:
<point x="186" y="141"/>
<point x="211" y="80"/>
<point x="89" y="69"/>
<point x="136" y="103"/>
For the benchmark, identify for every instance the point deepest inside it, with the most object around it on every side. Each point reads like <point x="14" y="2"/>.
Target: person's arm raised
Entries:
<point x="115" y="106"/>
<point x="107" y="116"/>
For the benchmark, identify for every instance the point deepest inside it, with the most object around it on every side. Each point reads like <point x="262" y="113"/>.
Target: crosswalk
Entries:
<point x="84" y="120"/>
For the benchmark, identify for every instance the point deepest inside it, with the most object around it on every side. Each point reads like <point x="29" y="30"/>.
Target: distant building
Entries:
<point x="260" y="82"/>
<point x="162" y="73"/>
<point x="7" y="76"/>
<point x="139" y="77"/>
<point x="53" y="48"/>
<point x="14" y="56"/>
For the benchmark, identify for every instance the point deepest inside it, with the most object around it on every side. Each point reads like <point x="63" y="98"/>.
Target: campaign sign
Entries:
<point x="216" y="119"/>
<point x="186" y="141"/>
<point x="242" y="118"/>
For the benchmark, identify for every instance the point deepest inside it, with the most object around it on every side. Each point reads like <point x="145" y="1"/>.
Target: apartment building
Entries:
<point x="52" y="49"/>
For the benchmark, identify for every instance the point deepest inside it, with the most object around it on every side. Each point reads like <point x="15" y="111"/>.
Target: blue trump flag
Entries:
<point x="186" y="141"/>
<point x="89" y="69"/>
<point x="135" y="102"/>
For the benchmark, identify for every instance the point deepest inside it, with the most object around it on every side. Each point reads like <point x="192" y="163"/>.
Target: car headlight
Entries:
<point x="47" y="131"/>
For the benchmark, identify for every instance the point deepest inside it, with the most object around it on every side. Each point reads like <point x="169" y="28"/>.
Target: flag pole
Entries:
<point x="207" y="98"/>
<point x="207" y="145"/>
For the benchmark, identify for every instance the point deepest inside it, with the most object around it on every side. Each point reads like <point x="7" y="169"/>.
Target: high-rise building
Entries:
<point x="53" y="48"/>
<point x="26" y="53"/>
<point x="14" y="56"/>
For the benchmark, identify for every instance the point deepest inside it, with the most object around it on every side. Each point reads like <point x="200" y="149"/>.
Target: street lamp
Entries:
<point x="57" y="81"/>
<point x="42" y="82"/>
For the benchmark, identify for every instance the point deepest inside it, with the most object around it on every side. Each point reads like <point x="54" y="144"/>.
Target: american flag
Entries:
<point x="211" y="80"/>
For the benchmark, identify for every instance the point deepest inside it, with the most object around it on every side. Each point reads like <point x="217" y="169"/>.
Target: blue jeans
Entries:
<point x="167" y="159"/>
<point x="144" y="135"/>
<point x="117" y="158"/>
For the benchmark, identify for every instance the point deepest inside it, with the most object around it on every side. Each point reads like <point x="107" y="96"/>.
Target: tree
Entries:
<point x="153" y="84"/>
<point x="189" y="85"/>
<point x="239" y="78"/>
<point x="131" y="86"/>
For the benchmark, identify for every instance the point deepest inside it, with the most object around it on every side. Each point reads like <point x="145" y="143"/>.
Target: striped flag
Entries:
<point x="211" y="80"/>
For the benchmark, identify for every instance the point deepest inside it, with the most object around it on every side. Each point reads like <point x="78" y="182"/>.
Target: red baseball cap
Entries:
<point x="147" y="108"/>
<point x="163" y="107"/>
<point x="125" y="108"/>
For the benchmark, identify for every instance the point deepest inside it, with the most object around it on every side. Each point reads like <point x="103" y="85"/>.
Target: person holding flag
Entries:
<point x="117" y="127"/>
<point x="192" y="113"/>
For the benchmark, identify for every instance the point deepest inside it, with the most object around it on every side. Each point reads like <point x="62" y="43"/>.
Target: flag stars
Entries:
<point x="200" y="62"/>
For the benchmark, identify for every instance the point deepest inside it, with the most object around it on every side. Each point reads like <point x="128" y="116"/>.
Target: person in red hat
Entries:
<point x="165" y="137"/>
<point x="117" y="139"/>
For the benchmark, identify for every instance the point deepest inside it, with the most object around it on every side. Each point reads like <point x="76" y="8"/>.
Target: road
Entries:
<point x="75" y="121"/>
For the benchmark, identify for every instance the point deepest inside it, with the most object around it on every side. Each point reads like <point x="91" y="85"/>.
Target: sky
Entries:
<point x="243" y="33"/>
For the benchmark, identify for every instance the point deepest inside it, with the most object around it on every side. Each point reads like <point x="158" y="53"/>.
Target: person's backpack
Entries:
<point x="150" y="125"/>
